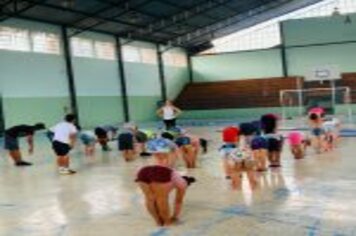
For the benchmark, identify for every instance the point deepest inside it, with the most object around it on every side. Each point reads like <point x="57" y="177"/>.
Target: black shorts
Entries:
<point x="170" y="123"/>
<point x="101" y="133"/>
<point x="11" y="143"/>
<point x="274" y="144"/>
<point x="61" y="149"/>
<point x="126" y="142"/>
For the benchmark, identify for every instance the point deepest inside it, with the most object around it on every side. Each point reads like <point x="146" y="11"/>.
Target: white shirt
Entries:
<point x="63" y="131"/>
<point x="329" y="126"/>
<point x="168" y="113"/>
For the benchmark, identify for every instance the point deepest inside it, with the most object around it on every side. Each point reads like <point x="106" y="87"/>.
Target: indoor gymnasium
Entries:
<point x="177" y="117"/>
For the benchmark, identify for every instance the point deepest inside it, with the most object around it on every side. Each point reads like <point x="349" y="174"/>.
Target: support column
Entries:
<point x="120" y="61"/>
<point x="70" y="74"/>
<point x="161" y="73"/>
<point x="190" y="68"/>
<point x="283" y="52"/>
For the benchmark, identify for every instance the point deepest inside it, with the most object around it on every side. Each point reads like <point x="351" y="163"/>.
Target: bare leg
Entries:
<point x="16" y="156"/>
<point x="226" y="168"/>
<point x="270" y="158"/>
<point x="161" y="192"/>
<point x="251" y="175"/>
<point x="186" y="157"/>
<point x="128" y="155"/>
<point x="235" y="173"/>
<point x="263" y="159"/>
<point x="63" y="161"/>
<point x="91" y="149"/>
<point x="150" y="203"/>
<point x="278" y="158"/>
<point x="190" y="156"/>
<point x="260" y="157"/>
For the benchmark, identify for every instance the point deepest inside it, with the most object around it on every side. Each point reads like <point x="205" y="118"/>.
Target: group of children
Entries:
<point x="250" y="147"/>
<point x="247" y="147"/>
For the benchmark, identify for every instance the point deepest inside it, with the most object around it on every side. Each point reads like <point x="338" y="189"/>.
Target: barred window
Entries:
<point x="267" y="35"/>
<point x="180" y="60"/>
<point x="105" y="50"/>
<point x="14" y="39"/>
<point x="148" y="55"/>
<point x="45" y="42"/>
<point x="82" y="47"/>
<point x="131" y="53"/>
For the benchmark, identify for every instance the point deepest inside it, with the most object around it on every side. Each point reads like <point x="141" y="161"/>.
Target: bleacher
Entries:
<point x="234" y="94"/>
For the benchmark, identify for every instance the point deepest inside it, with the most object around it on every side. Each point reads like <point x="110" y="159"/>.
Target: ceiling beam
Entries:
<point x="101" y="10"/>
<point x="226" y="22"/>
<point x="18" y="10"/>
<point x="240" y="23"/>
<point x="178" y="18"/>
<point x="109" y="7"/>
<point x="83" y="13"/>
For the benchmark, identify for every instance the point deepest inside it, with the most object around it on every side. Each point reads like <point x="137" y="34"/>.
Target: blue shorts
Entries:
<point x="182" y="141"/>
<point x="50" y="135"/>
<point x="259" y="142"/>
<point x="227" y="149"/>
<point x="87" y="139"/>
<point x="11" y="143"/>
<point x="317" y="131"/>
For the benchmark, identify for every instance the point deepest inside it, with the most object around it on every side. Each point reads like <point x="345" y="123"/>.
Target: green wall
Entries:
<point x="302" y="60"/>
<point x="228" y="113"/>
<point x="239" y="65"/>
<point x="98" y="89"/>
<point x="176" y="77"/>
<point x="143" y="87"/>
<point x="320" y="41"/>
<point x="319" y="30"/>
<point x="30" y="110"/>
<point x="33" y="85"/>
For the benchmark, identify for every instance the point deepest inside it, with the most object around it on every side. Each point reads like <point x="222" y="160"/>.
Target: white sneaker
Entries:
<point x="66" y="171"/>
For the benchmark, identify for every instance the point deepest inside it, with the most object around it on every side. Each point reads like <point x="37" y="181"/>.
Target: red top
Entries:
<point x="230" y="134"/>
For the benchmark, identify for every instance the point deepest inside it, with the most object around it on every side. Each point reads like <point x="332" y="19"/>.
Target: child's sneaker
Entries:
<point x="66" y="171"/>
<point x="23" y="163"/>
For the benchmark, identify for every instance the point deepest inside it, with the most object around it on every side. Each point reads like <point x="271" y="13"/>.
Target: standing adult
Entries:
<point x="12" y="136"/>
<point x="169" y="113"/>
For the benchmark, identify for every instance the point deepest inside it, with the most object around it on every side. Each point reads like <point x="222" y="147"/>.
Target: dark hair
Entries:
<point x="269" y="123"/>
<point x="39" y="126"/>
<point x="247" y="129"/>
<point x="189" y="180"/>
<point x="167" y="135"/>
<point x="70" y="118"/>
<point x="313" y="116"/>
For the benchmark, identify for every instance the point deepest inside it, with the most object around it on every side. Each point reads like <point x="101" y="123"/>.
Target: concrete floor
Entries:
<point x="314" y="196"/>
